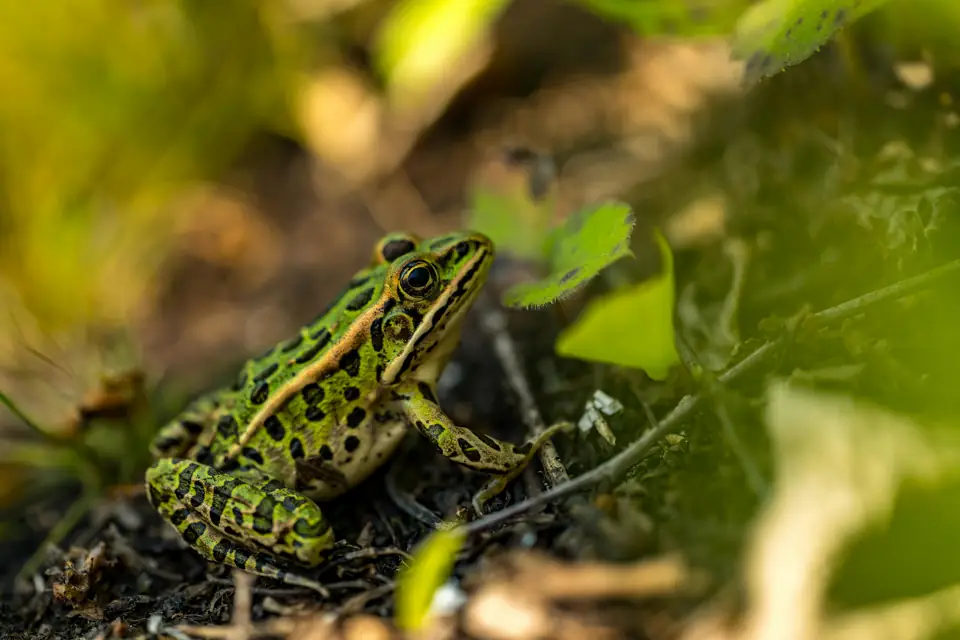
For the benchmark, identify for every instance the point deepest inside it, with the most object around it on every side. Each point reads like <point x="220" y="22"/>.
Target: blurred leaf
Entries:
<point x="841" y="466"/>
<point x="513" y="200"/>
<point x="514" y="222"/>
<point x="418" y="581"/>
<point x="671" y="17"/>
<point x="96" y="138"/>
<point x="420" y="39"/>
<point x="775" y="34"/>
<point x="589" y="241"/>
<point x="632" y="327"/>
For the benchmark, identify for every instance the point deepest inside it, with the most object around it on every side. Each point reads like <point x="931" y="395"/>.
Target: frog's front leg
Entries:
<point x="473" y="450"/>
<point x="246" y="521"/>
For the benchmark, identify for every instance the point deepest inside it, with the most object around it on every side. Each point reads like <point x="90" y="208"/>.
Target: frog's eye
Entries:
<point x="394" y="246"/>
<point x="419" y="279"/>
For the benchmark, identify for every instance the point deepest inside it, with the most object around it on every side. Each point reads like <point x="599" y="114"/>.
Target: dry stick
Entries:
<point x="495" y="323"/>
<point x="617" y="466"/>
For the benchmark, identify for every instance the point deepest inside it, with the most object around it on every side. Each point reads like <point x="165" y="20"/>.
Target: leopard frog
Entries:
<point x="240" y="471"/>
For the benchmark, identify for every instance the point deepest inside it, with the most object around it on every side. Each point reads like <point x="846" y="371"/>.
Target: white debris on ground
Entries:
<point x="597" y="406"/>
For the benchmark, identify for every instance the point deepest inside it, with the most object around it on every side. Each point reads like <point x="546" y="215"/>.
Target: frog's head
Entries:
<point x="429" y="290"/>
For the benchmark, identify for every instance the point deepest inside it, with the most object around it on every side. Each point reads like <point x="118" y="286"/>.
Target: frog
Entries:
<point x="241" y="471"/>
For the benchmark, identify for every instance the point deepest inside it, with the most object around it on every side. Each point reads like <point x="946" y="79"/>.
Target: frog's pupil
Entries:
<point x="419" y="277"/>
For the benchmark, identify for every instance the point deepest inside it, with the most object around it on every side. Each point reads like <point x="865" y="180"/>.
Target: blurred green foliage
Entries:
<point x="771" y="35"/>
<point x="930" y="25"/>
<point x="775" y="34"/>
<point x="517" y="223"/>
<point x="110" y="108"/>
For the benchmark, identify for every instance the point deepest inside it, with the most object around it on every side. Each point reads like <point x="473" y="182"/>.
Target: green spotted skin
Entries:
<point x="240" y="471"/>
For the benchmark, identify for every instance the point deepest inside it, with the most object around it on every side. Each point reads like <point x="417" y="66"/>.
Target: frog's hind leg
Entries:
<point x="247" y="525"/>
<point x="216" y="547"/>
<point x="177" y="437"/>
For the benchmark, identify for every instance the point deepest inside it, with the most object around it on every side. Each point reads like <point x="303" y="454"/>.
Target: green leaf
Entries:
<point x="418" y="581"/>
<point x="632" y="327"/>
<point x="776" y="34"/>
<point x="589" y="241"/>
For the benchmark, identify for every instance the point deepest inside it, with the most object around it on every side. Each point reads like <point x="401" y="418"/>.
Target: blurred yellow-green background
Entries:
<point x="203" y="175"/>
<point x="184" y="182"/>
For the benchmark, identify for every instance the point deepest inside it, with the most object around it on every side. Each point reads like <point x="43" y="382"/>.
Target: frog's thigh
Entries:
<point x="238" y="523"/>
<point x="175" y="438"/>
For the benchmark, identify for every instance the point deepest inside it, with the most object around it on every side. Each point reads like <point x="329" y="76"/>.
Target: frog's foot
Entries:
<point x="473" y="450"/>
<point x="499" y="482"/>
<point x="247" y="525"/>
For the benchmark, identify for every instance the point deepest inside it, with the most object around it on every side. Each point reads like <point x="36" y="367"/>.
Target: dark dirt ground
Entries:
<point x="765" y="153"/>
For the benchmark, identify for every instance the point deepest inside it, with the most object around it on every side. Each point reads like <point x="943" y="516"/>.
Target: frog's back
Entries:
<point x="216" y="422"/>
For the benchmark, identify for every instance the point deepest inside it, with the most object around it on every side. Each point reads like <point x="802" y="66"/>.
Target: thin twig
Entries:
<point x="495" y="323"/>
<point x="617" y="466"/>
<point x="896" y="290"/>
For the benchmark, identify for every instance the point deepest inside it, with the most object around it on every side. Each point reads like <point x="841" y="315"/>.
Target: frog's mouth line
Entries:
<point x="446" y="313"/>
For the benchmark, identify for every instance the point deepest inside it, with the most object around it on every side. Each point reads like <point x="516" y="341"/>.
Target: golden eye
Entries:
<point x="418" y="279"/>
